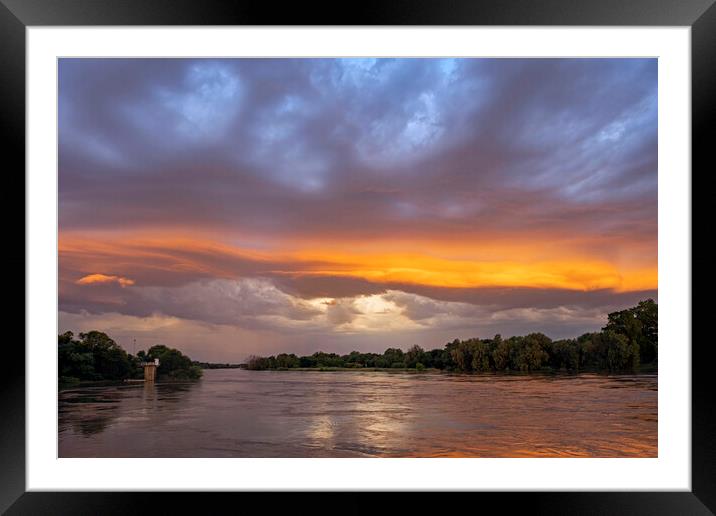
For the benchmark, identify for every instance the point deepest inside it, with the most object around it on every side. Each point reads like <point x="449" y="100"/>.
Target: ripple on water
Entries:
<point x="237" y="413"/>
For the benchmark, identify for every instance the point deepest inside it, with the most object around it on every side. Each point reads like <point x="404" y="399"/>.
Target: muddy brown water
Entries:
<point x="238" y="413"/>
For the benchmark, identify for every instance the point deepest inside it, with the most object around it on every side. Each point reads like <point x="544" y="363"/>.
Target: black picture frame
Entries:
<point x="17" y="15"/>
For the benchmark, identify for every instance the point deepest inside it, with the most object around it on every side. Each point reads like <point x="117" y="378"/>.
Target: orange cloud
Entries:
<point x="536" y="263"/>
<point x="92" y="279"/>
<point x="573" y="274"/>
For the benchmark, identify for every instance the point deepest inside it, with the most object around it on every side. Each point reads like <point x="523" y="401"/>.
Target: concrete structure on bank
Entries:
<point x="150" y="370"/>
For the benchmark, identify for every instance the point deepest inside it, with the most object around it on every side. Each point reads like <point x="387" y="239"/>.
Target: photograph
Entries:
<point x="423" y="249"/>
<point x="365" y="257"/>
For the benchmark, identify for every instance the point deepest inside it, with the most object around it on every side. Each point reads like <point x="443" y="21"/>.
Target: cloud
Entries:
<point x="257" y="304"/>
<point x="456" y="143"/>
<point x="344" y="200"/>
<point x="541" y="263"/>
<point x="93" y="279"/>
<point x="249" y="302"/>
<point x="370" y="323"/>
<point x="205" y="103"/>
<point x="341" y="311"/>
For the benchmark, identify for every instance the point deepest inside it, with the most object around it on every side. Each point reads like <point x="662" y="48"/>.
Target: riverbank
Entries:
<point x="357" y="369"/>
<point x="649" y="369"/>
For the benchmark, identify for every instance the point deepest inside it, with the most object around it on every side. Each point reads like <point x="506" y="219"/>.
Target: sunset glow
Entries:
<point x="267" y="205"/>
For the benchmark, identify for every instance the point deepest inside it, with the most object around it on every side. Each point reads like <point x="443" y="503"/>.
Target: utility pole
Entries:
<point x="134" y="347"/>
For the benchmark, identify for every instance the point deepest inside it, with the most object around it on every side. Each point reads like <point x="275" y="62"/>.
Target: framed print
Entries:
<point x="424" y="252"/>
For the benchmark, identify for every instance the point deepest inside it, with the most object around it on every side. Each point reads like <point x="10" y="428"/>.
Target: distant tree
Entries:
<point x="481" y="356"/>
<point x="647" y="312"/>
<point x="502" y="353"/>
<point x="256" y="363"/>
<point x="328" y="359"/>
<point x="629" y="338"/>
<point x="173" y="363"/>
<point x="135" y="366"/>
<point x="620" y="351"/>
<point x="156" y="351"/>
<point x="110" y="361"/>
<point x="591" y="351"/>
<point x="414" y="355"/>
<point x="94" y="356"/>
<point x="394" y="356"/>
<point x="286" y="361"/>
<point x="74" y="363"/>
<point x="309" y="361"/>
<point x="440" y="359"/>
<point x="530" y="355"/>
<point x="461" y="354"/>
<point x="639" y="325"/>
<point x="565" y="355"/>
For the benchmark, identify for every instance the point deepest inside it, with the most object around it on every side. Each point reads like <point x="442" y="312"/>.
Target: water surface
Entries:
<point x="238" y="413"/>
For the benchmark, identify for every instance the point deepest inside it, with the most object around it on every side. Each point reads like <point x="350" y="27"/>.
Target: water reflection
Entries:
<point x="98" y="409"/>
<point x="236" y="413"/>
<point x="90" y="410"/>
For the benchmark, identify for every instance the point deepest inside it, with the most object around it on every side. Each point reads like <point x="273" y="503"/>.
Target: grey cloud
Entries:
<point x="258" y="304"/>
<point x="341" y="311"/>
<point x="309" y="137"/>
<point x="226" y="301"/>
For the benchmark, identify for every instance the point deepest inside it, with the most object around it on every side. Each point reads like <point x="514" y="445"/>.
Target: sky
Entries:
<point x="229" y="207"/>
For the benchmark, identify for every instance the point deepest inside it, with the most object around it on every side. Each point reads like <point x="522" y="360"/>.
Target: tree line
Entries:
<point x="94" y="356"/>
<point x="217" y="365"/>
<point x="628" y="341"/>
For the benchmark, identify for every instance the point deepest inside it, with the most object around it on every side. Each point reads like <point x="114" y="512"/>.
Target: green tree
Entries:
<point x="629" y="338"/>
<point x="480" y="355"/>
<point x="462" y="356"/>
<point x="173" y="363"/>
<point x="394" y="357"/>
<point x="287" y="361"/>
<point x="530" y="354"/>
<point x="640" y="326"/>
<point x="328" y="359"/>
<point x="414" y="355"/>
<point x="110" y="361"/>
<point x="620" y="351"/>
<point x="501" y="353"/>
<point x="647" y="312"/>
<point x="73" y="363"/>
<point x="257" y="363"/>
<point x="565" y="355"/>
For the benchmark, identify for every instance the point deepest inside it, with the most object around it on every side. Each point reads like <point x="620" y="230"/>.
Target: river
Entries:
<point x="238" y="413"/>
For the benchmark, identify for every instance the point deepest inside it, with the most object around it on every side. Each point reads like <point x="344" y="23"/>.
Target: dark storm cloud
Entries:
<point x="421" y="144"/>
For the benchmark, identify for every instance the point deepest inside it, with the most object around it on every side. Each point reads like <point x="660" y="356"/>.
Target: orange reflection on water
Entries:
<point x="237" y="413"/>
